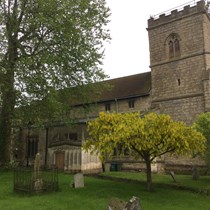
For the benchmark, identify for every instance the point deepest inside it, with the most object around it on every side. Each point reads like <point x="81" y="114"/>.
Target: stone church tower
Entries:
<point x="179" y="46"/>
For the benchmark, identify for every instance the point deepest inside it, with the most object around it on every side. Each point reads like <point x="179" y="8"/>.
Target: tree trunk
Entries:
<point x="8" y="89"/>
<point x="7" y="111"/>
<point x="6" y="124"/>
<point x="5" y="136"/>
<point x="149" y="174"/>
<point x="8" y="94"/>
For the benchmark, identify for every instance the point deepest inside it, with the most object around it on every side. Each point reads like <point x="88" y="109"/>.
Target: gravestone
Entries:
<point x="38" y="183"/>
<point x="173" y="176"/>
<point x="133" y="204"/>
<point x="118" y="204"/>
<point x="78" y="180"/>
<point x="107" y="167"/>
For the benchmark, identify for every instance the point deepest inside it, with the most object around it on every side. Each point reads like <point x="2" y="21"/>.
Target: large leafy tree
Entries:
<point x="202" y="124"/>
<point x="47" y="45"/>
<point x="146" y="137"/>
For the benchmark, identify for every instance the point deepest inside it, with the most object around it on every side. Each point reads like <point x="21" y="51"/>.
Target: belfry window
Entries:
<point x="173" y="46"/>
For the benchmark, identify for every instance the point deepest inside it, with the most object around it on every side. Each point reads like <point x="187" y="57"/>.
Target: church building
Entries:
<point x="178" y="84"/>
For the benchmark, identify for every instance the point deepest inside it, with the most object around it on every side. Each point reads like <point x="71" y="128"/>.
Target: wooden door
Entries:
<point x="59" y="160"/>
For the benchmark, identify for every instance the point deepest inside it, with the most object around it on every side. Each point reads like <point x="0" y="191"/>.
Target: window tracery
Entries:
<point x="173" y="42"/>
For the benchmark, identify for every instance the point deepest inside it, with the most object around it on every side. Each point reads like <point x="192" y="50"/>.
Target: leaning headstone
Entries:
<point x="173" y="176"/>
<point x="116" y="204"/>
<point x="133" y="204"/>
<point x="78" y="180"/>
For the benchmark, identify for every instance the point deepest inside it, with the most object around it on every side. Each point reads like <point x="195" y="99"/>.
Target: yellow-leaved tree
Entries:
<point x="145" y="137"/>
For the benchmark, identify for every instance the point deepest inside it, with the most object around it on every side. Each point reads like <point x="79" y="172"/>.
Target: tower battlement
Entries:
<point x="190" y="9"/>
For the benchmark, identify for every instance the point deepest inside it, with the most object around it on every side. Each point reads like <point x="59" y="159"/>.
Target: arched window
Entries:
<point x="176" y="46"/>
<point x="173" y="42"/>
<point x="32" y="146"/>
<point x="171" y="49"/>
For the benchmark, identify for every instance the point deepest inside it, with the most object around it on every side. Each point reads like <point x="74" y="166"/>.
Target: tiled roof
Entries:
<point x="127" y="87"/>
<point x="109" y="90"/>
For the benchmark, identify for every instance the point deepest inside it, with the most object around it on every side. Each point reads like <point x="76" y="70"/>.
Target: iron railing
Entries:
<point x="24" y="180"/>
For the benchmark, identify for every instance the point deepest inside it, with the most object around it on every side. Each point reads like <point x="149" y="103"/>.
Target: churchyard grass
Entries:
<point x="203" y="183"/>
<point x="97" y="193"/>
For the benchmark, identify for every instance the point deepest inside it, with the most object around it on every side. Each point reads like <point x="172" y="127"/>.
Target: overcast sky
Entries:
<point x="128" y="52"/>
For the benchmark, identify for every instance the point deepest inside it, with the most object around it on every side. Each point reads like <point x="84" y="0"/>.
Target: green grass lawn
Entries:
<point x="97" y="193"/>
<point x="203" y="183"/>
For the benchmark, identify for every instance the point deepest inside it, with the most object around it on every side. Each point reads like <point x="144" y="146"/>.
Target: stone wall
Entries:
<point x="72" y="157"/>
<point x="90" y="163"/>
<point x="178" y="86"/>
<point x="182" y="109"/>
<point x="206" y="85"/>
<point x="180" y="78"/>
<point x="119" y="105"/>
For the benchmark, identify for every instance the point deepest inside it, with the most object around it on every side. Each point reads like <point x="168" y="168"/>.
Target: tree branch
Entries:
<point x="162" y="153"/>
<point x="20" y="18"/>
<point x="138" y="151"/>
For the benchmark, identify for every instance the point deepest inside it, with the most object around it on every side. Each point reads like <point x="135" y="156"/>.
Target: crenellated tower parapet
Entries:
<point x="178" y="12"/>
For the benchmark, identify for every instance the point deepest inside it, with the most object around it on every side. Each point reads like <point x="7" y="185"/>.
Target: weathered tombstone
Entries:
<point x="133" y="204"/>
<point x="107" y="167"/>
<point x="118" y="204"/>
<point x="195" y="174"/>
<point x="78" y="180"/>
<point x="173" y="176"/>
<point x="38" y="183"/>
